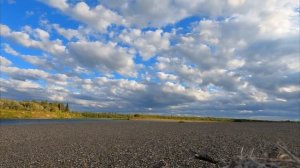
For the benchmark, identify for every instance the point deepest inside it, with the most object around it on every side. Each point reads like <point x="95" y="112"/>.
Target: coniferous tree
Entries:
<point x="67" y="107"/>
<point x="60" y="106"/>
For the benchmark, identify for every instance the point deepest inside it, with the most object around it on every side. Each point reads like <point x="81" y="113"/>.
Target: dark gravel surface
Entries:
<point x="138" y="143"/>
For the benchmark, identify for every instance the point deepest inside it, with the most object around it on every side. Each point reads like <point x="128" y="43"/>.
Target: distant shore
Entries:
<point x="29" y="114"/>
<point x="23" y="114"/>
<point x="12" y="109"/>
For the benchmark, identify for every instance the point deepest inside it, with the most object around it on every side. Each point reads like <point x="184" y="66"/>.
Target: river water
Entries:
<point x="4" y="122"/>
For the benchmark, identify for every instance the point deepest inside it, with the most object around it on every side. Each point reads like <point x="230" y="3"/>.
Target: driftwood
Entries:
<point x="204" y="157"/>
<point x="284" y="160"/>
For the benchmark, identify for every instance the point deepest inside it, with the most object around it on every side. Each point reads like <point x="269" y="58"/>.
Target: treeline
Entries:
<point x="106" y="115"/>
<point x="34" y="105"/>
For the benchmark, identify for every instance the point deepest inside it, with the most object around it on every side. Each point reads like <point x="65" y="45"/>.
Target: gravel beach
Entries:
<point x="138" y="143"/>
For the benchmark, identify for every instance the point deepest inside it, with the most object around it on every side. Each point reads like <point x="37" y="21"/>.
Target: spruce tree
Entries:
<point x="67" y="107"/>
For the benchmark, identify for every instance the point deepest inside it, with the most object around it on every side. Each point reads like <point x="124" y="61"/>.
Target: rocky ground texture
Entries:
<point x="140" y="143"/>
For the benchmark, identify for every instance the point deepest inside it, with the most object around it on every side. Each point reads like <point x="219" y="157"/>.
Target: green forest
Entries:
<point x="34" y="106"/>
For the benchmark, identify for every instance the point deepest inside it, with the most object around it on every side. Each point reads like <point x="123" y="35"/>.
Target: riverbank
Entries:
<point x="126" y="143"/>
<point x="30" y="114"/>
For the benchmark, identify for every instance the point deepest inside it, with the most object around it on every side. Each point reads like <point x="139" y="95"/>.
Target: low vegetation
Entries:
<point x="11" y="109"/>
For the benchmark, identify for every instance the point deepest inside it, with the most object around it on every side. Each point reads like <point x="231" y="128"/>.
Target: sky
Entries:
<point x="234" y="58"/>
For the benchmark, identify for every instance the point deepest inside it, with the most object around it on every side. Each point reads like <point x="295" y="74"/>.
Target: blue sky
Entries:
<point x="233" y="58"/>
